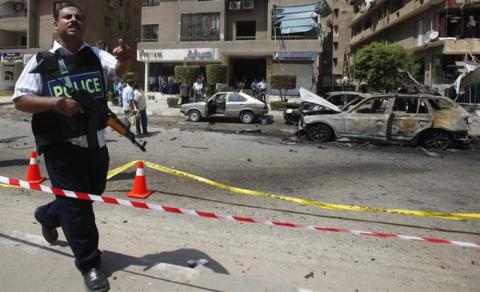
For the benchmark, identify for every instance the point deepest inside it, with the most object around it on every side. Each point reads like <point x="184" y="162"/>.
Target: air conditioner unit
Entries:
<point x="235" y="5"/>
<point x="19" y="6"/>
<point x="248" y="4"/>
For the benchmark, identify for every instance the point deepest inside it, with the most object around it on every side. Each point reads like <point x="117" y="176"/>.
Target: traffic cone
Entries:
<point x="139" y="189"/>
<point x="33" y="171"/>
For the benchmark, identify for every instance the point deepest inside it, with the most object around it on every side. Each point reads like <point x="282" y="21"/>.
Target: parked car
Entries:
<point x="309" y="104"/>
<point x="226" y="104"/>
<point x="425" y="119"/>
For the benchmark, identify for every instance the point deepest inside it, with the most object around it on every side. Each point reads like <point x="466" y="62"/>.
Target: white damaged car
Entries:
<point x="425" y="119"/>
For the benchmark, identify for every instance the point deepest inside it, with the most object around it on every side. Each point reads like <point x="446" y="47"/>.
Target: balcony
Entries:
<point x="461" y="46"/>
<point x="14" y="23"/>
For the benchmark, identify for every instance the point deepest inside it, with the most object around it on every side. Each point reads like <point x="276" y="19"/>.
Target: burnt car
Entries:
<point x="424" y="119"/>
<point x="309" y="104"/>
<point x="226" y="105"/>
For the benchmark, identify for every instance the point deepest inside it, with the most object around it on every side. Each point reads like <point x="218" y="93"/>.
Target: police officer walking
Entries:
<point x="76" y="156"/>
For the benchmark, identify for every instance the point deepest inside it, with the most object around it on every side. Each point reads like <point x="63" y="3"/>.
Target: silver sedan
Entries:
<point x="226" y="104"/>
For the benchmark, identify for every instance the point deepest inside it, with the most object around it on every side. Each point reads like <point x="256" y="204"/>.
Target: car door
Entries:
<point x="369" y="119"/>
<point x="410" y="116"/>
<point x="211" y="106"/>
<point x="235" y="103"/>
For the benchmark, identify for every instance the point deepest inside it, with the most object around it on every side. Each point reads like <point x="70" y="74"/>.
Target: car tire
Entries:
<point x="194" y="116"/>
<point x="436" y="139"/>
<point x="319" y="132"/>
<point x="247" y="117"/>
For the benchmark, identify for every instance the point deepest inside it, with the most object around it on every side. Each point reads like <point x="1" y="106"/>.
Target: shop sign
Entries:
<point x="179" y="55"/>
<point x="294" y="56"/>
<point x="11" y="58"/>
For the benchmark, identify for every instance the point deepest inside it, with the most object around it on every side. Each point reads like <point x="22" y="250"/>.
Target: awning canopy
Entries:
<point x="299" y="18"/>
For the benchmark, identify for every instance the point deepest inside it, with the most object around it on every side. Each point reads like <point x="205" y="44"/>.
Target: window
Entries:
<point x="410" y="105"/>
<point x="200" y="27"/>
<point x="120" y="26"/>
<point x="236" y="98"/>
<point x="150" y="32"/>
<point x="373" y="106"/>
<point x="147" y="3"/>
<point x="108" y="21"/>
<point x="246" y="30"/>
<point x="440" y="103"/>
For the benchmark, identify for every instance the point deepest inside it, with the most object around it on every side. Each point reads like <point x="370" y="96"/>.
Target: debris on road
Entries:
<point x="430" y="153"/>
<point x="194" y="263"/>
<point x="309" y="275"/>
<point x="193" y="147"/>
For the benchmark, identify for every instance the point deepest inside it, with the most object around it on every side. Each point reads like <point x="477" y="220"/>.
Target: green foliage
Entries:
<point x="173" y="102"/>
<point x="377" y="64"/>
<point x="283" y="83"/>
<point x="189" y="74"/>
<point x="278" y="105"/>
<point x="216" y="74"/>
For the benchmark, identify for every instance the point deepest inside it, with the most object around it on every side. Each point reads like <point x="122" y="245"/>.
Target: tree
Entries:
<point x="188" y="74"/>
<point x="283" y="82"/>
<point x="216" y="74"/>
<point x="377" y="64"/>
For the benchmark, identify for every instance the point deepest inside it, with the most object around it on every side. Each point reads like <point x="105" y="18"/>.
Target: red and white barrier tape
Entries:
<point x="168" y="209"/>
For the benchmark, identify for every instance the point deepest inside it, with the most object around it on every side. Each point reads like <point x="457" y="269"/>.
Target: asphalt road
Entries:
<point x="148" y="250"/>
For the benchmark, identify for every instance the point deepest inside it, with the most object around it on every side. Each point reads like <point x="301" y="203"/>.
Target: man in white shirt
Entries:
<point x="128" y="102"/>
<point x="198" y="90"/>
<point x="141" y="105"/>
<point x="76" y="156"/>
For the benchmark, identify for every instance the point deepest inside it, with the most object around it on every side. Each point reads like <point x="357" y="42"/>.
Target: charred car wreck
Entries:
<point x="419" y="119"/>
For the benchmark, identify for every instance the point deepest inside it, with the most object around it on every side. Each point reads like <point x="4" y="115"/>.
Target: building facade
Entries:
<point x="441" y="34"/>
<point x="246" y="35"/>
<point x="26" y="28"/>
<point x="334" y="69"/>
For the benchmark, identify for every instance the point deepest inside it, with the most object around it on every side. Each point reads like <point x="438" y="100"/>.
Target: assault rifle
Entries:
<point x="100" y="111"/>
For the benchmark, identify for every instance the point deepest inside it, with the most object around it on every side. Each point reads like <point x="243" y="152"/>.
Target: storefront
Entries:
<point x="304" y="65"/>
<point x="160" y="63"/>
<point x="11" y="65"/>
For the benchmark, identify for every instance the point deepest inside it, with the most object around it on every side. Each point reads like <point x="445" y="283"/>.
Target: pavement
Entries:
<point x="157" y="107"/>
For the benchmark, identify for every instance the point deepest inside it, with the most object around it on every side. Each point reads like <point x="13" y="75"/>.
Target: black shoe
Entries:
<point x="96" y="281"/>
<point x="49" y="233"/>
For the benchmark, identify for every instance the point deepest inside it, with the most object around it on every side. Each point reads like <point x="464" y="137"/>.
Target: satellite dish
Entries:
<point x="433" y="35"/>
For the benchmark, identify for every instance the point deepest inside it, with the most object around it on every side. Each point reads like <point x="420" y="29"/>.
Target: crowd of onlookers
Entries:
<point x="187" y="92"/>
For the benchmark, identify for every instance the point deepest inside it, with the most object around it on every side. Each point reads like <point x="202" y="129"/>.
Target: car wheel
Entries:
<point x="319" y="132"/>
<point x="194" y="116"/>
<point x="437" y="139"/>
<point x="247" y="117"/>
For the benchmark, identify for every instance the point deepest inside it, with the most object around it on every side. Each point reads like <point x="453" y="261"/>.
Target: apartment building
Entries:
<point x="334" y="70"/>
<point x="440" y="33"/>
<point x="26" y="28"/>
<point x="253" y="38"/>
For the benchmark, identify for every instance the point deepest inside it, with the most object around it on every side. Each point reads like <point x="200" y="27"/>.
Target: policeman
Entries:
<point x="76" y="156"/>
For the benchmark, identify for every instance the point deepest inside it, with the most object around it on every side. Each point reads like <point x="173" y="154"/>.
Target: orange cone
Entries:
<point x="139" y="189"/>
<point x="33" y="171"/>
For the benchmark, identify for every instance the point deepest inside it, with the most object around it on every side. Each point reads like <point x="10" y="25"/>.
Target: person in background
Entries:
<point x="253" y="87"/>
<point x="141" y="105"/>
<point x="128" y="102"/>
<point x="262" y="90"/>
<point x="198" y="90"/>
<point x="75" y="154"/>
<point x="184" y="92"/>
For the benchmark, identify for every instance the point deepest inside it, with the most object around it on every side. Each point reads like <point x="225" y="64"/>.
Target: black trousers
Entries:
<point x="76" y="169"/>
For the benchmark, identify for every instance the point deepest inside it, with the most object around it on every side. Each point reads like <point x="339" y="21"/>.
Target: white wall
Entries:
<point x="304" y="73"/>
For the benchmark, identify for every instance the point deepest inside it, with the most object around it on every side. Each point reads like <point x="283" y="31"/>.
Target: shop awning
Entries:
<point x="294" y="56"/>
<point x="299" y="18"/>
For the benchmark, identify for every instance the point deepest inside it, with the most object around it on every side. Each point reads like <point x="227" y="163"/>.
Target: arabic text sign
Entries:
<point x="198" y="54"/>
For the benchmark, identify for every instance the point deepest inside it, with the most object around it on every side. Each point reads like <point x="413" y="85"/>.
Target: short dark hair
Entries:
<point x="59" y="5"/>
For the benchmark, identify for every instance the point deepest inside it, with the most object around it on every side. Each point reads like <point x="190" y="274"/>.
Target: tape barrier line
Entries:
<point x="328" y="206"/>
<point x="206" y="214"/>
